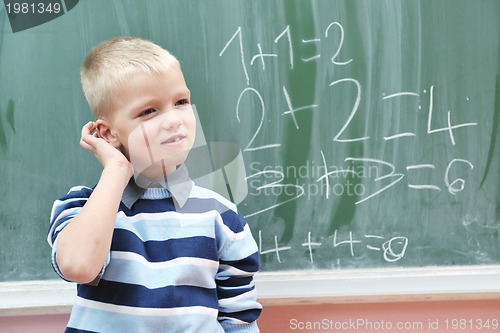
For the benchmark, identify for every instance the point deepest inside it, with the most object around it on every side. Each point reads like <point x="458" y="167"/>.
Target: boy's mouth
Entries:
<point x="173" y="139"/>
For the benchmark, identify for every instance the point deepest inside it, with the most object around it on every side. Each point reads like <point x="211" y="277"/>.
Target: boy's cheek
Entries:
<point x="139" y="150"/>
<point x="143" y="152"/>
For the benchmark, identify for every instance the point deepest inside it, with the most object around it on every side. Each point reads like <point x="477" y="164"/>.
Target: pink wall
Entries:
<point x="420" y="317"/>
<point x="33" y="324"/>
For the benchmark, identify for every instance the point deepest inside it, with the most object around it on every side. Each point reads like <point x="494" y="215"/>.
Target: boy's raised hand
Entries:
<point x="84" y="245"/>
<point x="105" y="153"/>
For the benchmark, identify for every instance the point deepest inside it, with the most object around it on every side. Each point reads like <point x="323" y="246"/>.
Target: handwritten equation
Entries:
<point x="266" y="180"/>
<point x="392" y="249"/>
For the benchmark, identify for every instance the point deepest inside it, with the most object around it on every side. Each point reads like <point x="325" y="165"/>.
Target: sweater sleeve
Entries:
<point x="63" y="212"/>
<point x="238" y="262"/>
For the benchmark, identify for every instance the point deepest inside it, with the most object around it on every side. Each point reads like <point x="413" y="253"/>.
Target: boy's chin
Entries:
<point x="156" y="173"/>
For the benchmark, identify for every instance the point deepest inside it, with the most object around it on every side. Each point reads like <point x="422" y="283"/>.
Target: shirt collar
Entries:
<point x="178" y="184"/>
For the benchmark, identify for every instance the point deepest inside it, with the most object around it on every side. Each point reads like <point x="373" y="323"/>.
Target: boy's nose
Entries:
<point x="171" y="120"/>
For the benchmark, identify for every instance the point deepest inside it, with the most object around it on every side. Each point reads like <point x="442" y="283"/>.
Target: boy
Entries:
<point x="150" y="251"/>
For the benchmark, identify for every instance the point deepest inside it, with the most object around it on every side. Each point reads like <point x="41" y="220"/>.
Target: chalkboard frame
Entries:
<point x="45" y="297"/>
<point x="296" y="287"/>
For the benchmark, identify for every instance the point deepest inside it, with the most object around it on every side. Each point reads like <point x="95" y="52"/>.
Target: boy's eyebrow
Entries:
<point x="139" y="105"/>
<point x="185" y="91"/>
<point x="147" y="101"/>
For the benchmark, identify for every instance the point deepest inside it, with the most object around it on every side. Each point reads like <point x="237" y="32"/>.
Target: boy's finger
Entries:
<point x="88" y="128"/>
<point x="86" y="146"/>
<point x="88" y="138"/>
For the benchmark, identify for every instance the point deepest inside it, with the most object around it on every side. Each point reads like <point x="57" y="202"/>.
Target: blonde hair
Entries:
<point x="108" y="67"/>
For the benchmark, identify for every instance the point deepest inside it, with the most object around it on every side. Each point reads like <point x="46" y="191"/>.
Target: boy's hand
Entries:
<point x="105" y="153"/>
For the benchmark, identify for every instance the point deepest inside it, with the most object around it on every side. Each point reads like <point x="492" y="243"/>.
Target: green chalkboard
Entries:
<point x="368" y="129"/>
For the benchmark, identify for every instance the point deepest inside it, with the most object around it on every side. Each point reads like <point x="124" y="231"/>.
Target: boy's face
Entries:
<point x="153" y="120"/>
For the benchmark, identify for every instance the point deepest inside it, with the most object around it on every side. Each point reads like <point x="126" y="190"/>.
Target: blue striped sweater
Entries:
<point x="173" y="267"/>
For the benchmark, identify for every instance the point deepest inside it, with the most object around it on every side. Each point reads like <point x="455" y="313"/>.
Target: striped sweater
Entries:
<point x="175" y="265"/>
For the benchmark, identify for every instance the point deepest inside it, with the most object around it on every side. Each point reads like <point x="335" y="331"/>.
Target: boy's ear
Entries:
<point x="104" y="131"/>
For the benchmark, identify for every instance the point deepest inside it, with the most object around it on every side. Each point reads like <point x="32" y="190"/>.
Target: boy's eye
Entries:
<point x="147" y="112"/>
<point x="183" y="101"/>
